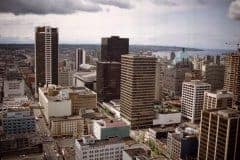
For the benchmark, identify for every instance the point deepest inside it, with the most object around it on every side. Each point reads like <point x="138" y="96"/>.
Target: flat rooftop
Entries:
<point x="86" y="76"/>
<point x="96" y="143"/>
<point x="228" y="113"/>
<point x="197" y="82"/>
<point x="67" y="118"/>
<point x="136" y="152"/>
<point x="107" y="123"/>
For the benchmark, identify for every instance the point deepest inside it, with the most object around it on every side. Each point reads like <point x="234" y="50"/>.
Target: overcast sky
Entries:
<point x="189" y="23"/>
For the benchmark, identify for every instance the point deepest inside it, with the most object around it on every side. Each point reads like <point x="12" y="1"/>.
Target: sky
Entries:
<point x="187" y="23"/>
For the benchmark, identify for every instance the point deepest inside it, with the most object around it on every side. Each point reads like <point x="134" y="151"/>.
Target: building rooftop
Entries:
<point x="220" y="94"/>
<point x="107" y="123"/>
<point x="89" y="140"/>
<point x="138" y="56"/>
<point x="166" y="109"/>
<point x="59" y="93"/>
<point x="86" y="76"/>
<point x="197" y="82"/>
<point x="66" y="118"/>
<point x="140" y="153"/>
<point x="227" y="113"/>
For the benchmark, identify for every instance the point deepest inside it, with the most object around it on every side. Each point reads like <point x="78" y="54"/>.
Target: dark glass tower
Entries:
<point x="46" y="56"/>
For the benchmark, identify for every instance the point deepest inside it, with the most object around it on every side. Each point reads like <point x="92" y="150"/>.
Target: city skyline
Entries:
<point x="200" y="23"/>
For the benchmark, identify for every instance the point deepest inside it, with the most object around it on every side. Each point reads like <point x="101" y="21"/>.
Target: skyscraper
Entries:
<point x="108" y="81"/>
<point x="80" y="58"/>
<point x="109" y="66"/>
<point x="46" y="56"/>
<point x="174" y="74"/>
<point x="112" y="48"/>
<point x="213" y="73"/>
<point x="219" y="135"/>
<point x="192" y="99"/>
<point x="232" y="75"/>
<point x="137" y="90"/>
<point x="218" y="99"/>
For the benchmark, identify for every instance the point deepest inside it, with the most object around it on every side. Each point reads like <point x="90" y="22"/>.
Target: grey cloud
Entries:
<point x="124" y="4"/>
<point x="182" y="2"/>
<point x="57" y="6"/>
<point x="234" y="10"/>
<point x="164" y="2"/>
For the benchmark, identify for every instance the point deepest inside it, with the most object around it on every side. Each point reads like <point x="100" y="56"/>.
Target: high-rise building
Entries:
<point x="219" y="99"/>
<point x="161" y="65"/>
<point x="219" y="135"/>
<point x="80" y="58"/>
<point x="46" y="56"/>
<point x="192" y="99"/>
<point x="112" y="48"/>
<point x="174" y="76"/>
<point x="137" y="90"/>
<point x="213" y="74"/>
<point x="183" y="144"/>
<point x="109" y="66"/>
<point x="108" y="81"/>
<point x="232" y="75"/>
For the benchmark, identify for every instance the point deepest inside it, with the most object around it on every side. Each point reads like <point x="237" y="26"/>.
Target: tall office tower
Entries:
<point x="192" y="99"/>
<point x="172" y="56"/>
<point x="137" y="90"/>
<point x="80" y="58"/>
<point x="232" y="76"/>
<point x="213" y="74"/>
<point x="174" y="75"/>
<point x="219" y="99"/>
<point x="46" y="56"/>
<point x="161" y="65"/>
<point x="108" y="81"/>
<point x="219" y="135"/>
<point x="112" y="48"/>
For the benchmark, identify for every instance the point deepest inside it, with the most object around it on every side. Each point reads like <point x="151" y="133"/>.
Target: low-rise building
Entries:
<point x="20" y="144"/>
<point x="166" y="115"/>
<point x="13" y="84"/>
<point x="85" y="79"/>
<point x="66" y="126"/>
<point x="113" y="107"/>
<point x="106" y="128"/>
<point x="55" y="101"/>
<point x="136" y="154"/>
<point x="18" y="120"/>
<point x="88" y="148"/>
<point x="82" y="98"/>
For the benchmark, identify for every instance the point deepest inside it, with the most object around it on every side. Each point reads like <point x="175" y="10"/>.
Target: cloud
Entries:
<point x="123" y="4"/>
<point x="175" y="3"/>
<point x="234" y="10"/>
<point x="18" y="7"/>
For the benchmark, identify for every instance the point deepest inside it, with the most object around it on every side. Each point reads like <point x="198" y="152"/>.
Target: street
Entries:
<point x="49" y="145"/>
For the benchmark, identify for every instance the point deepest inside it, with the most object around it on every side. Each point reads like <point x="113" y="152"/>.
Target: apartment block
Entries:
<point x="192" y="99"/>
<point x="231" y="77"/>
<point x="218" y="99"/>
